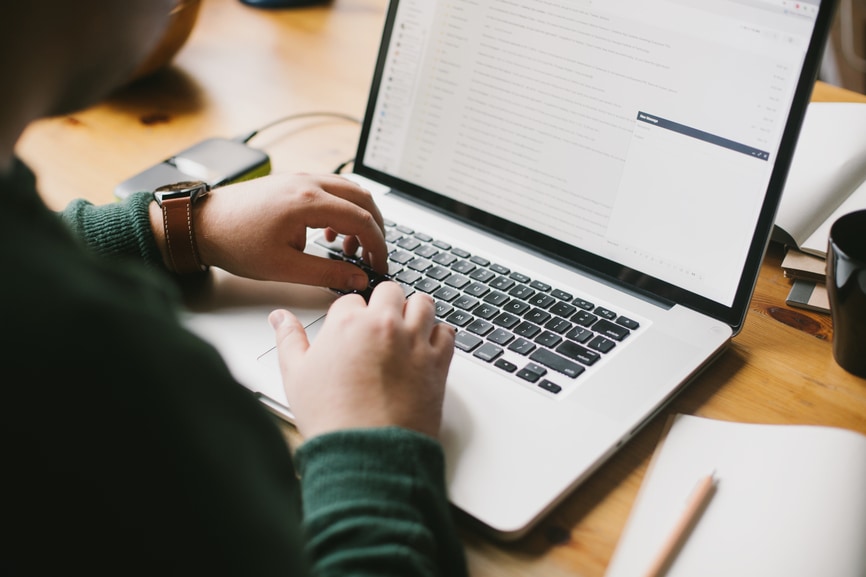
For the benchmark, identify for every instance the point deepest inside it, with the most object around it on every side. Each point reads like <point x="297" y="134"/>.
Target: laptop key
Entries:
<point x="444" y="258"/>
<point x="506" y="320"/>
<point x="611" y="330"/>
<point x="459" y="318"/>
<point x="561" y="309"/>
<point x="408" y="243"/>
<point x="542" y="300"/>
<point x="457" y="281"/>
<point x="557" y="363"/>
<point x="516" y="307"/>
<point x="502" y="283"/>
<point x="601" y="344"/>
<point x="485" y="311"/>
<point x="537" y="316"/>
<point x="438" y="272"/>
<point x="561" y="295"/>
<point x="477" y="289"/>
<point x="522" y="346"/>
<point x="579" y="334"/>
<point x="605" y="313"/>
<point x="467" y="341"/>
<point x="479" y="327"/>
<point x="482" y="275"/>
<point x="500" y="337"/>
<point x="426" y="251"/>
<point x="463" y="266"/>
<point x="496" y="298"/>
<point x="446" y="293"/>
<point x="584" y="318"/>
<point x="488" y="352"/>
<point x="461" y="253"/>
<point x="408" y="276"/>
<point x="443" y="309"/>
<point x="581" y="354"/>
<point x="505" y="365"/>
<point x="465" y="302"/>
<point x="427" y="285"/>
<point x="527" y="329"/>
<point x="532" y="372"/>
<point x="522" y="292"/>
<point x="549" y="386"/>
<point x="548" y="339"/>
<point x="628" y="323"/>
<point x="558" y="325"/>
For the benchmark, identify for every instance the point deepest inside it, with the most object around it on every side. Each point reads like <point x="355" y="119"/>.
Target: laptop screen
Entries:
<point x="647" y="140"/>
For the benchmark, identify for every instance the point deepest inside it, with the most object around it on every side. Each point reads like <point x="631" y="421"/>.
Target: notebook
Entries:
<point x="614" y="166"/>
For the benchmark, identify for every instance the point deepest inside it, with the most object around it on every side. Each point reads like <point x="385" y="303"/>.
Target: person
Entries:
<point x="128" y="448"/>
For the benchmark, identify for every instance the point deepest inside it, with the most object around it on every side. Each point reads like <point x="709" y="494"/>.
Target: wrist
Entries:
<point x="173" y="223"/>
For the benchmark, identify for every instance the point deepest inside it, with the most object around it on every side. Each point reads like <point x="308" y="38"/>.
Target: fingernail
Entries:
<point x="277" y="318"/>
<point x="358" y="282"/>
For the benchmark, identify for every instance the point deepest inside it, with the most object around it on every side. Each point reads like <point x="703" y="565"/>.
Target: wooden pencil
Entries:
<point x="696" y="504"/>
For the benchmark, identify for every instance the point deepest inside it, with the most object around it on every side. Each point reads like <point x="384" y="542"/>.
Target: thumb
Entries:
<point x="291" y="338"/>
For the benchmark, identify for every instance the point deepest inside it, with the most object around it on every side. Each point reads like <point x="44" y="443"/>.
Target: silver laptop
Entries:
<point x="587" y="189"/>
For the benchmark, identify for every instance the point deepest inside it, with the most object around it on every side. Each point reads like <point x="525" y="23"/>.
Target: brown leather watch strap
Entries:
<point x="177" y="201"/>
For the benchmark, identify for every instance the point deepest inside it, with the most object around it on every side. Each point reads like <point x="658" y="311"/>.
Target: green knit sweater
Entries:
<point x="128" y="449"/>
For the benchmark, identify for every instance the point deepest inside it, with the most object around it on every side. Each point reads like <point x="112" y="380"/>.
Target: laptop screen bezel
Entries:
<point x="608" y="270"/>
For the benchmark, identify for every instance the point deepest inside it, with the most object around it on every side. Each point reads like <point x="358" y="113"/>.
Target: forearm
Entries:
<point x="120" y="230"/>
<point x="375" y="504"/>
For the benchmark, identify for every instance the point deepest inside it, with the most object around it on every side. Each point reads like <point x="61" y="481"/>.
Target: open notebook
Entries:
<point x="587" y="189"/>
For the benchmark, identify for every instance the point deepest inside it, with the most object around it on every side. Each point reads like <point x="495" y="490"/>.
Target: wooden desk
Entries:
<point x="244" y="67"/>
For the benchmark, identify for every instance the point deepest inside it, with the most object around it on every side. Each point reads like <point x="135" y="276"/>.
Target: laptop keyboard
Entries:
<point x="544" y="336"/>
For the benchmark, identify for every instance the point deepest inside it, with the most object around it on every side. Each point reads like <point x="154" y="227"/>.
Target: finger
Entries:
<point x="442" y="339"/>
<point x="387" y="295"/>
<point x="350" y="246"/>
<point x="349" y="210"/>
<point x="353" y="222"/>
<point x="420" y="312"/>
<point x="290" y="336"/>
<point x="354" y="193"/>
<point x="345" y="304"/>
<point x="329" y="273"/>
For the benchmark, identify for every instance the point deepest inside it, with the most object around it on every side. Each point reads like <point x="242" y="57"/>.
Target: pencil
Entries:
<point x="694" y="507"/>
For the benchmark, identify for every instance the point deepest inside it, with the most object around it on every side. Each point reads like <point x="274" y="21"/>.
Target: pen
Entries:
<point x="694" y="507"/>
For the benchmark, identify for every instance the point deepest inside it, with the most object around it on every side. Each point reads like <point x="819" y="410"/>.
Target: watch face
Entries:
<point x="188" y="188"/>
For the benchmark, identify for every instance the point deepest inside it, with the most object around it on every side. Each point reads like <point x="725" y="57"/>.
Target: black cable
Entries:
<point x="249" y="136"/>
<point x="343" y="165"/>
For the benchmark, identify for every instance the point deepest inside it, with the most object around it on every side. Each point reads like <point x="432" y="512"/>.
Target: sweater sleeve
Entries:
<point x="119" y="230"/>
<point x="375" y="503"/>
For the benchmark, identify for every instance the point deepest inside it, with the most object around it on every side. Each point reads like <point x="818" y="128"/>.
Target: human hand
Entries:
<point x="258" y="229"/>
<point x="371" y="365"/>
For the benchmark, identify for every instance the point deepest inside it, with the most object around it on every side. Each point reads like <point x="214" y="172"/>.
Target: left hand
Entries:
<point x="258" y="229"/>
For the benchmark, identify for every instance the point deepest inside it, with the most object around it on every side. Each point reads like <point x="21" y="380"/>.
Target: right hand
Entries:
<point x="371" y="365"/>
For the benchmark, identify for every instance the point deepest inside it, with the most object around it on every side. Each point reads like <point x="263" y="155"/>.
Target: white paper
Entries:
<point x="790" y="501"/>
<point x="829" y="163"/>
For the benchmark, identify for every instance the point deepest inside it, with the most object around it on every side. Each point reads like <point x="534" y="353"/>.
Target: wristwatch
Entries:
<point x="177" y="201"/>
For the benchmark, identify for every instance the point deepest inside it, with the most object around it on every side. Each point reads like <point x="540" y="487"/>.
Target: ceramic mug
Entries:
<point x="846" y="289"/>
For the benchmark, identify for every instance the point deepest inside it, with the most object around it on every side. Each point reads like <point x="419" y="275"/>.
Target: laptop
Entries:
<point x="587" y="189"/>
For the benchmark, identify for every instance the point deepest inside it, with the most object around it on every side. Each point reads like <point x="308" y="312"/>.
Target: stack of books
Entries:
<point x="827" y="179"/>
<point x="807" y="274"/>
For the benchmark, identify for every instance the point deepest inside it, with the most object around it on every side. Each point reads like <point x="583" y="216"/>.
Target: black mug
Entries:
<point x="846" y="289"/>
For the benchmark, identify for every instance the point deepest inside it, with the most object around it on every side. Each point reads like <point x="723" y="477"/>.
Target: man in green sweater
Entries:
<point x="127" y="446"/>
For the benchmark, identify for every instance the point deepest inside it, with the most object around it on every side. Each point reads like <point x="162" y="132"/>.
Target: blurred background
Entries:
<point x="845" y="58"/>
